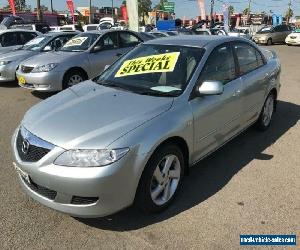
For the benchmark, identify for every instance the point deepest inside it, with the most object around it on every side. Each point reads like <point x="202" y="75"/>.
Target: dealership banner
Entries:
<point x="201" y="4"/>
<point x="71" y="8"/>
<point x="124" y="12"/>
<point x="12" y="6"/>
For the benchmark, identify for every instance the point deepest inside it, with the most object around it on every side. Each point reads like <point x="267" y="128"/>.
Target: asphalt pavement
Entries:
<point x="250" y="186"/>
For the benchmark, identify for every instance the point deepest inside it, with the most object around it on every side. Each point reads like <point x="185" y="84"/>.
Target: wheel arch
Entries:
<point x="181" y="143"/>
<point x="80" y="69"/>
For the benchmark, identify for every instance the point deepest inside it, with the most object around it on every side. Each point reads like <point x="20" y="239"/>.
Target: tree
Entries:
<point x="230" y="9"/>
<point x="20" y="5"/>
<point x="246" y="11"/>
<point x="43" y="8"/>
<point x="160" y="5"/>
<point x="289" y="13"/>
<point x="144" y="7"/>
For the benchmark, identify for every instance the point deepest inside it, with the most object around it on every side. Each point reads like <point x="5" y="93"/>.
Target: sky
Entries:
<point x="188" y="8"/>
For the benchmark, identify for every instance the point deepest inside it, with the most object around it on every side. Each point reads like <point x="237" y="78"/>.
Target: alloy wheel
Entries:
<point x="74" y="79"/>
<point x="268" y="110"/>
<point x="165" y="180"/>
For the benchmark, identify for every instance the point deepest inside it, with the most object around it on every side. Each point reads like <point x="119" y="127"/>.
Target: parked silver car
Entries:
<point x="81" y="58"/>
<point x="130" y="134"/>
<point x="9" y="62"/>
<point x="269" y="35"/>
<point x="13" y="39"/>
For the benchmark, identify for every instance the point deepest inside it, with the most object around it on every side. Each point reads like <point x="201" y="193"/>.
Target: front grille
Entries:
<point x="26" y="69"/>
<point x="31" y="148"/>
<point x="43" y="191"/>
<point x="293" y="37"/>
<point x="77" y="200"/>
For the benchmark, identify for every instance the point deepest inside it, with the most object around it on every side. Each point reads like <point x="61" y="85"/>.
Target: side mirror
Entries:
<point x="210" y="88"/>
<point x="97" y="48"/>
<point x="47" y="48"/>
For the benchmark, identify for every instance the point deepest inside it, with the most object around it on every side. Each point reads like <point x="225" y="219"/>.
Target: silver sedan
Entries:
<point x="81" y="58"/>
<point x="130" y="135"/>
<point x="9" y="62"/>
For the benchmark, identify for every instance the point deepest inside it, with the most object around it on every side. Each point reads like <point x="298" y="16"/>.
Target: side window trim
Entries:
<point x="238" y="64"/>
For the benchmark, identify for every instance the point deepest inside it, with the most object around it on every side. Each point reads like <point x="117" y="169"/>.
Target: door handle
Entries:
<point x="119" y="54"/>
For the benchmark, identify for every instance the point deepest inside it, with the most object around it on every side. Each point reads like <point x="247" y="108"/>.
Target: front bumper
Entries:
<point x="107" y="189"/>
<point x="8" y="72"/>
<point x="45" y="81"/>
<point x="292" y="41"/>
<point x="260" y="40"/>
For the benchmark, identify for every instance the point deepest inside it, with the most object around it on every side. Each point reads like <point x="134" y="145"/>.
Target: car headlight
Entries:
<point x="44" y="68"/>
<point x="3" y="63"/>
<point x="90" y="158"/>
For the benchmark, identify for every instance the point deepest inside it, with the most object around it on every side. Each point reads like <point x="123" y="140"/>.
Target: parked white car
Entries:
<point x="293" y="38"/>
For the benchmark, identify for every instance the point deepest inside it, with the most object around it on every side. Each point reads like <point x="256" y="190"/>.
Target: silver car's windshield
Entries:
<point x="265" y="30"/>
<point x="153" y="70"/>
<point x="37" y="43"/>
<point x="80" y="42"/>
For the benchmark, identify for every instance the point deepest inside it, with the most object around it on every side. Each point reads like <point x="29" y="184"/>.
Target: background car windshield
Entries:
<point x="265" y="30"/>
<point x="154" y="68"/>
<point x="297" y="31"/>
<point x="80" y="42"/>
<point x="37" y="43"/>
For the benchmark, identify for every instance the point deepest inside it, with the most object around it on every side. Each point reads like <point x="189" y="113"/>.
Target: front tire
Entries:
<point x="266" y="115"/>
<point x="161" y="179"/>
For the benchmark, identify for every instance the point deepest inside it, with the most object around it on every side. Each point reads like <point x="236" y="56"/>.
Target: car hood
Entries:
<point x="262" y="35"/>
<point x="17" y="55"/>
<point x="50" y="57"/>
<point x="294" y="35"/>
<point x="8" y="49"/>
<point x="89" y="115"/>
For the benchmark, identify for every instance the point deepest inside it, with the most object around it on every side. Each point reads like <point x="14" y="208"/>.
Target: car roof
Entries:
<point x="60" y="33"/>
<point x="194" y="40"/>
<point x="14" y="30"/>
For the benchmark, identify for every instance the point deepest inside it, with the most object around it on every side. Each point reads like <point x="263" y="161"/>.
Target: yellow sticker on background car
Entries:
<point x="22" y="80"/>
<point x="149" y="64"/>
<point x="76" y="41"/>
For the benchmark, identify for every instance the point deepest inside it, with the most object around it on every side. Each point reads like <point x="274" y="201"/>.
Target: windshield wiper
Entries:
<point x="113" y="85"/>
<point x="157" y="93"/>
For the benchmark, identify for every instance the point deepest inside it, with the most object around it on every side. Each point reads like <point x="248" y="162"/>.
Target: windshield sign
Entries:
<point x="149" y="64"/>
<point x="157" y="70"/>
<point x="80" y="42"/>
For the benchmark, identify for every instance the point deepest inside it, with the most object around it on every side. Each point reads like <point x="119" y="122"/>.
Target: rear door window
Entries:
<point x="9" y="39"/>
<point x="248" y="57"/>
<point x="25" y="37"/>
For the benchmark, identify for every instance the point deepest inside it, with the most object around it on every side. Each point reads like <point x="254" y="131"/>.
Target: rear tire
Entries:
<point x="159" y="184"/>
<point x="72" y="78"/>
<point x="266" y="115"/>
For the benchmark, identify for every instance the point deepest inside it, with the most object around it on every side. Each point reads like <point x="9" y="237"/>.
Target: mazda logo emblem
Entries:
<point x="25" y="147"/>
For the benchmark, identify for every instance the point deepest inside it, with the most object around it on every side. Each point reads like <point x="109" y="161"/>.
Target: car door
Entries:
<point x="252" y="70"/>
<point x="110" y="51"/>
<point x="218" y="117"/>
<point x="276" y="35"/>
